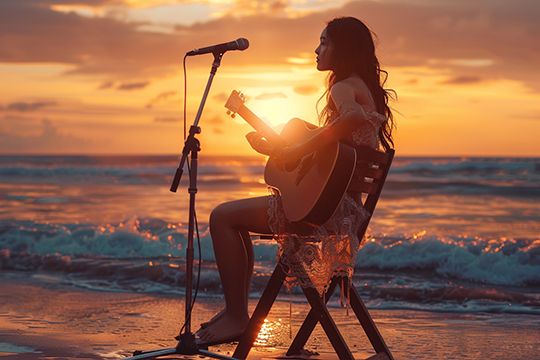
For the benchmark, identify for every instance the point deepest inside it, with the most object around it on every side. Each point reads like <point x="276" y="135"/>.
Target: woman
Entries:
<point x="356" y="113"/>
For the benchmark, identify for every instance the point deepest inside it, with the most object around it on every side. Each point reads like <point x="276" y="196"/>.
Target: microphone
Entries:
<point x="238" y="44"/>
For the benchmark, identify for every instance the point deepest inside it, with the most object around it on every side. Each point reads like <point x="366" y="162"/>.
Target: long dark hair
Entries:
<point x="353" y="51"/>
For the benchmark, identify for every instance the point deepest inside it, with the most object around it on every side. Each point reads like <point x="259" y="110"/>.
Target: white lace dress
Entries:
<point x="330" y="249"/>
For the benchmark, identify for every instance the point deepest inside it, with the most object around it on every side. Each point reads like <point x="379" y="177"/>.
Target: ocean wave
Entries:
<point x="478" y="168"/>
<point x="514" y="262"/>
<point x="504" y="171"/>
<point x="155" y="175"/>
<point x="401" y="187"/>
<point x="464" y="299"/>
<point x="498" y="270"/>
<point x="399" y="271"/>
<point x="408" y="176"/>
<point x="510" y="262"/>
<point x="508" y="177"/>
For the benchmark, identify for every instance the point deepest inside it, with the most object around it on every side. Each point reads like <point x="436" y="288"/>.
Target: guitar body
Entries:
<point x="312" y="191"/>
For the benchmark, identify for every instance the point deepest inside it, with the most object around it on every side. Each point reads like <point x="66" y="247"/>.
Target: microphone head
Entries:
<point x="242" y="44"/>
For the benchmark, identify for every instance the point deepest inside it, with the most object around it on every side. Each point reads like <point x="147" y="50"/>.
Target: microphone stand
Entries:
<point x="187" y="344"/>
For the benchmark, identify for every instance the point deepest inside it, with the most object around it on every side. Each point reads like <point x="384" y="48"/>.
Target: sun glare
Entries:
<point x="271" y="333"/>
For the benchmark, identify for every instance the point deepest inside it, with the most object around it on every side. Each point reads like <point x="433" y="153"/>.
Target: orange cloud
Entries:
<point x="161" y="98"/>
<point x="29" y="106"/>
<point x="167" y="120"/>
<point x="49" y="139"/>
<point x="270" y="96"/>
<point x="500" y="34"/>
<point x="306" y="90"/>
<point x="463" y="80"/>
<point x="133" y="85"/>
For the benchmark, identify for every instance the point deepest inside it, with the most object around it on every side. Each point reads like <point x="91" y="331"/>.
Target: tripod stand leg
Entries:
<point x="152" y="354"/>
<point x="171" y="351"/>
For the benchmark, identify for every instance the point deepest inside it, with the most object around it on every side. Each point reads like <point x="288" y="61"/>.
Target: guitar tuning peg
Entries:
<point x="228" y="112"/>
<point x="233" y="116"/>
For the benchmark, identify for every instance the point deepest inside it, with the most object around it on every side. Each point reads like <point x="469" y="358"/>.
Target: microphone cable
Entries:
<point x="185" y="97"/>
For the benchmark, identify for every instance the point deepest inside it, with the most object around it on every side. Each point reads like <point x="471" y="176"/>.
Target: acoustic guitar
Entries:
<point x="312" y="188"/>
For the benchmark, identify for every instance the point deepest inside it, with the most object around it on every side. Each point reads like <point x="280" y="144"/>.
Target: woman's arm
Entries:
<point x="352" y="115"/>
<point x="258" y="143"/>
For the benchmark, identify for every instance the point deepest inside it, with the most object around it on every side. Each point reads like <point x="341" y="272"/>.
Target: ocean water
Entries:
<point x="448" y="234"/>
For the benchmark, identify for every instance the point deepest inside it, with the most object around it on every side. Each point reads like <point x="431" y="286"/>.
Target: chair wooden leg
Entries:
<point x="318" y="313"/>
<point x="260" y="313"/>
<point x="367" y="323"/>
<point x="328" y="324"/>
<point x="362" y="315"/>
<point x="308" y="325"/>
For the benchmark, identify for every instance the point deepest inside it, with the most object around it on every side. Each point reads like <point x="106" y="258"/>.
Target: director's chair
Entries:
<point x="369" y="177"/>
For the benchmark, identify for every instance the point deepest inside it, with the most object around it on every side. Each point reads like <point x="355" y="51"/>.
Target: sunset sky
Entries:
<point x="106" y="76"/>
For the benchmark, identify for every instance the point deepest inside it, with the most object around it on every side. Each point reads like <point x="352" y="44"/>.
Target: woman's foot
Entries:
<point x="224" y="329"/>
<point x="219" y="315"/>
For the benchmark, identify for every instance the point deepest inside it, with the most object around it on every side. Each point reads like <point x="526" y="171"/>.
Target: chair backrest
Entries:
<point x="370" y="174"/>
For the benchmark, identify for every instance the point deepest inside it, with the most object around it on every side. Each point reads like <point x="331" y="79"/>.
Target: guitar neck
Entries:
<point x="271" y="136"/>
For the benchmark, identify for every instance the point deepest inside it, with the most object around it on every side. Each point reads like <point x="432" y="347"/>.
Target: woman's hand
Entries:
<point x="288" y="154"/>
<point x="258" y="143"/>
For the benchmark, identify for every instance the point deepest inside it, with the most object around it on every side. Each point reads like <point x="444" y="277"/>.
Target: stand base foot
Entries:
<point x="186" y="346"/>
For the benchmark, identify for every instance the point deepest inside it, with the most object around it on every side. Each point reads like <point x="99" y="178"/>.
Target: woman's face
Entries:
<point x="323" y="53"/>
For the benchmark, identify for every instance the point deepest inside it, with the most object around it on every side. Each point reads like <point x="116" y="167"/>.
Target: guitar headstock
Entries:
<point x="235" y="101"/>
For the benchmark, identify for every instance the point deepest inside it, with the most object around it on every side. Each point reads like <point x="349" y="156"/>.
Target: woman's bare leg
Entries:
<point x="249" y="272"/>
<point x="230" y="224"/>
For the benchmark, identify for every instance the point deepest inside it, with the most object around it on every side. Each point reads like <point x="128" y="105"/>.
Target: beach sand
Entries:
<point x="42" y="318"/>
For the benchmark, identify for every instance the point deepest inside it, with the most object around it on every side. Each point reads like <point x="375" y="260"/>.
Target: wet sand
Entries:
<point x="41" y="318"/>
